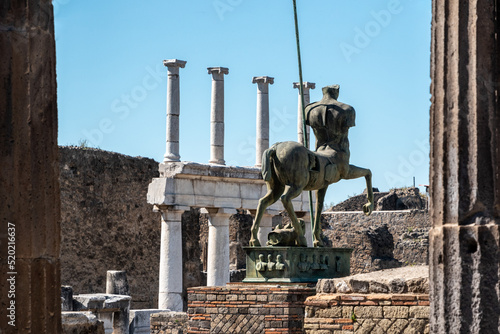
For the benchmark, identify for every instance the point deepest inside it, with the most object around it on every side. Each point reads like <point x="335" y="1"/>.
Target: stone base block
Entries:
<point x="139" y="320"/>
<point x="81" y="322"/>
<point x="296" y="264"/>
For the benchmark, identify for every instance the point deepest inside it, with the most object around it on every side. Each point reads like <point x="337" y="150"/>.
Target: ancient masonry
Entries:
<point x="465" y="168"/>
<point x="215" y="188"/>
<point x="29" y="190"/>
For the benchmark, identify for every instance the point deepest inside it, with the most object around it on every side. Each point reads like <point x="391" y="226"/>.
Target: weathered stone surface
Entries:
<point x="383" y="240"/>
<point x="368" y="312"/>
<point x="390" y="280"/>
<point x="81" y="323"/>
<point x="465" y="168"/>
<point x="117" y="283"/>
<point x="29" y="191"/>
<point x="140" y="320"/>
<point x="169" y="323"/>
<point x="395" y="312"/>
<point x="402" y="199"/>
<point x="66" y="298"/>
<point x="106" y="222"/>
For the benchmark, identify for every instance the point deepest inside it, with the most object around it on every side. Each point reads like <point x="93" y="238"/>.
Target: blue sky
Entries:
<point x="112" y="84"/>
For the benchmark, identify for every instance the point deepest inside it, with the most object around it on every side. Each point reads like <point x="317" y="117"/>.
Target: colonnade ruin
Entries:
<point x="464" y="173"/>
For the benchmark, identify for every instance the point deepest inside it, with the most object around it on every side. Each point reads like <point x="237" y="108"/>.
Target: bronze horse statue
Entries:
<point x="290" y="168"/>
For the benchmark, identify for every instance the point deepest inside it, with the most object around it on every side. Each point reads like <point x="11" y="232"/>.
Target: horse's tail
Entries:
<point x="266" y="168"/>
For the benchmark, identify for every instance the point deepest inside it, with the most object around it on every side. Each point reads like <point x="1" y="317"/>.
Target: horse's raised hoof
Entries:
<point x="318" y="243"/>
<point x="368" y="208"/>
<point x="254" y="243"/>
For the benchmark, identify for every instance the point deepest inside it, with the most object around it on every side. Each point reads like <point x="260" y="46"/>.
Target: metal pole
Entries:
<point x="304" y="130"/>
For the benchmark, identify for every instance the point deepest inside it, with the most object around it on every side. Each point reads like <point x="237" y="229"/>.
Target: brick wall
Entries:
<point x="367" y="313"/>
<point x="247" y="308"/>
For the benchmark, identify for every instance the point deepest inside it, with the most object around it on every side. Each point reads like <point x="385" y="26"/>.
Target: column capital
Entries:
<point x="306" y="84"/>
<point x="174" y="63"/>
<point x="263" y="79"/>
<point x="218" y="70"/>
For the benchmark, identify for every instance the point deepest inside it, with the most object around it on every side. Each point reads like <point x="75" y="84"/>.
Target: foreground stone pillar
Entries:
<point x="173" y="109"/>
<point x="218" y="245"/>
<point x="465" y="168"/>
<point x="170" y="290"/>
<point x="217" y="115"/>
<point x="307" y="99"/>
<point x="262" y="128"/>
<point x="29" y="173"/>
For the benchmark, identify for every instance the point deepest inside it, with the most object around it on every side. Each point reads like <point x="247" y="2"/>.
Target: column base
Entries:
<point x="217" y="162"/>
<point x="170" y="301"/>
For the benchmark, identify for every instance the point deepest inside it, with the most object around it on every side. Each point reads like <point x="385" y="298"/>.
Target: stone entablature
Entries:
<point x="204" y="185"/>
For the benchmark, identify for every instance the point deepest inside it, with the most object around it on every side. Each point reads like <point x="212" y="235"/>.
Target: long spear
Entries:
<point x="301" y="85"/>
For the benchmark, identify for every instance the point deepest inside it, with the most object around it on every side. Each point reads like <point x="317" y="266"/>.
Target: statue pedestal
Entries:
<point x="295" y="264"/>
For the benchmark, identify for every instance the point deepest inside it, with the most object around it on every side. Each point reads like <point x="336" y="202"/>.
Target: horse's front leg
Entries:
<point x="356" y="172"/>
<point x="316" y="227"/>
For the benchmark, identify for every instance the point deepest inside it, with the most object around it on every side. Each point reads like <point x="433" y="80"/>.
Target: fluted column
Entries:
<point x="465" y="168"/>
<point x="30" y="216"/>
<point x="262" y="128"/>
<point x="173" y="109"/>
<point x="217" y="115"/>
<point x="307" y="99"/>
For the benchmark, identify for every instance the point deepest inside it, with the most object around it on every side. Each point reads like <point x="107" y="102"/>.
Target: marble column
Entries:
<point x="173" y="109"/>
<point x="265" y="227"/>
<point x="464" y="240"/>
<point x="218" y="245"/>
<point x="262" y="127"/>
<point x="217" y="115"/>
<point x="170" y="291"/>
<point x="307" y="99"/>
<point x="30" y="212"/>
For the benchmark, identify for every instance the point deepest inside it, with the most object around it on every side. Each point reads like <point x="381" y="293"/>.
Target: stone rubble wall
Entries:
<point x="169" y="323"/>
<point x="385" y="239"/>
<point x="107" y="224"/>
